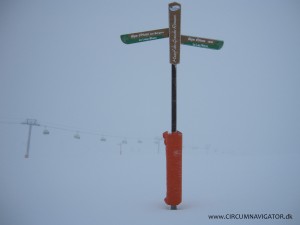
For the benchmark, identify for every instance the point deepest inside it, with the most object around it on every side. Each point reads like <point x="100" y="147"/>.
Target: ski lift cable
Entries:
<point x="93" y="132"/>
<point x="7" y="122"/>
<point x="10" y="119"/>
<point x="72" y="129"/>
<point x="82" y="131"/>
<point x="67" y="128"/>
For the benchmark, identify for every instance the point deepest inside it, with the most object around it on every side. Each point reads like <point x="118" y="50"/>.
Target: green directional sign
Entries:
<point x="201" y="42"/>
<point x="145" y="36"/>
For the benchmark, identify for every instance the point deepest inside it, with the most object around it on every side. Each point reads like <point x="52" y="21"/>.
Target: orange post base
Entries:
<point x="173" y="142"/>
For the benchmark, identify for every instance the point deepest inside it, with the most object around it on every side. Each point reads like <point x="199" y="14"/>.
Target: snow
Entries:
<point x="100" y="186"/>
<point x="63" y="63"/>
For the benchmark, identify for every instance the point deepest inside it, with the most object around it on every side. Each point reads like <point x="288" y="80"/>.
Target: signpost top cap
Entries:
<point x="174" y="6"/>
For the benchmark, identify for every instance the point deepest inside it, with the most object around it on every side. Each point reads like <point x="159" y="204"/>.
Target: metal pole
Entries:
<point x="174" y="99"/>
<point x="174" y="108"/>
<point x="30" y="123"/>
<point x="28" y="141"/>
<point x="120" y="148"/>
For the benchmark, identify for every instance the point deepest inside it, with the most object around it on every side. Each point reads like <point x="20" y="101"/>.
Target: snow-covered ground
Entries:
<point x="82" y="184"/>
<point x="64" y="64"/>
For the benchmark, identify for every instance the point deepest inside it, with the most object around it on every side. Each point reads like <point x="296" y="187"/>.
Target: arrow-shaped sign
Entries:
<point x="145" y="36"/>
<point x="201" y="42"/>
<point x="164" y="33"/>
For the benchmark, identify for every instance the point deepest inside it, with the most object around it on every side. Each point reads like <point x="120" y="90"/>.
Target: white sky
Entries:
<point x="63" y="62"/>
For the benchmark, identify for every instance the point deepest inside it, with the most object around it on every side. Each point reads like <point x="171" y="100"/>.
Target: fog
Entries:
<point x="63" y="64"/>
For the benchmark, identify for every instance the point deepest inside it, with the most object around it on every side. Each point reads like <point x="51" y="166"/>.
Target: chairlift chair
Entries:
<point x="103" y="139"/>
<point x="46" y="131"/>
<point x="76" y="136"/>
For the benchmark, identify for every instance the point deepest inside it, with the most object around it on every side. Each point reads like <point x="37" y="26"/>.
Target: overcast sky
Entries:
<point x="62" y="62"/>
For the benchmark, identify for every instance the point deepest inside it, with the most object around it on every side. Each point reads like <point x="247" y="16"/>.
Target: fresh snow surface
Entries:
<point x="91" y="186"/>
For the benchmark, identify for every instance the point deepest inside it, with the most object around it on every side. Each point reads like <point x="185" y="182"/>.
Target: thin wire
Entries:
<point x="87" y="132"/>
<point x="82" y="131"/>
<point x="6" y="122"/>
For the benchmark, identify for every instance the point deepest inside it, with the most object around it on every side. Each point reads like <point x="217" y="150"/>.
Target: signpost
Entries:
<point x="173" y="140"/>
